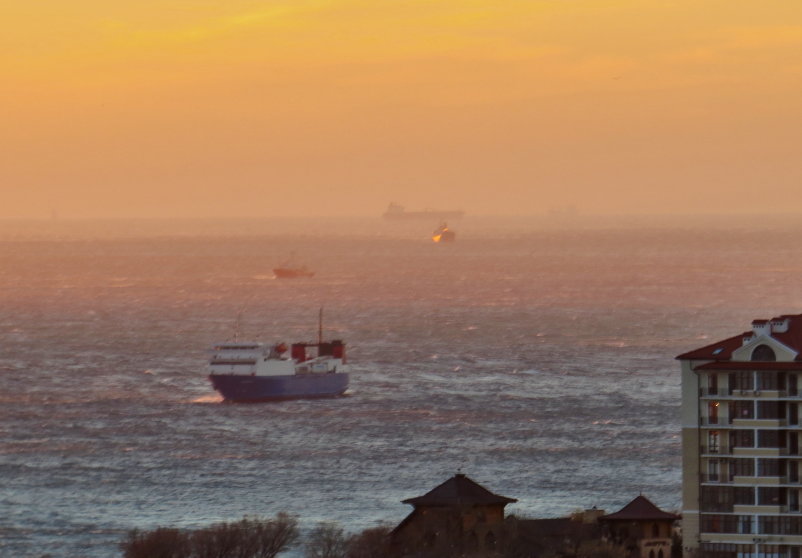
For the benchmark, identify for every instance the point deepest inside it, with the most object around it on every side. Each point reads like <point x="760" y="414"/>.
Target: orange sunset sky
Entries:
<point x="178" y="108"/>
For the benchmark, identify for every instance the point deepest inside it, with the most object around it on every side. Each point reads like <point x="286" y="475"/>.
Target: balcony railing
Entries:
<point x="760" y="392"/>
<point x="718" y="450"/>
<point x="718" y="479"/>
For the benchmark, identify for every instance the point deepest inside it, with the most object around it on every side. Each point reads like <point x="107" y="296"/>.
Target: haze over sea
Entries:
<point x="535" y="356"/>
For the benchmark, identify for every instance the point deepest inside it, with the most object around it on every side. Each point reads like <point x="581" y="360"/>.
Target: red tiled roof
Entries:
<point x="750" y="365"/>
<point x="708" y="352"/>
<point x="793" y="337"/>
<point x="722" y="350"/>
<point x="640" y="508"/>
<point x="456" y="491"/>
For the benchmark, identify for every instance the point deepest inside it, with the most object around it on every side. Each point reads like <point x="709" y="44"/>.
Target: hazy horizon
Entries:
<point x="470" y="229"/>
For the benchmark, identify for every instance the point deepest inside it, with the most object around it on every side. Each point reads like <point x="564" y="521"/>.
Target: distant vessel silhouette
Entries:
<point x="289" y="269"/>
<point x="443" y="234"/>
<point x="292" y="272"/>
<point x="396" y="211"/>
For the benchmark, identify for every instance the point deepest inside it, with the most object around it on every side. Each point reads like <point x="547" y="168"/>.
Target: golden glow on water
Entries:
<point x="208" y="399"/>
<point x="521" y="346"/>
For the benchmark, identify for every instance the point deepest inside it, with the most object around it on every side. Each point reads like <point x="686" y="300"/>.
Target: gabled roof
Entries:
<point x="459" y="490"/>
<point x="751" y="365"/>
<point x="640" y="508"/>
<point x="722" y="350"/>
<point x="793" y="337"/>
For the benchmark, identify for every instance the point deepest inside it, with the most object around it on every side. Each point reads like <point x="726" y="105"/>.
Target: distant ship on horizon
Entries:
<point x="289" y="269"/>
<point x="397" y="211"/>
<point x="292" y="272"/>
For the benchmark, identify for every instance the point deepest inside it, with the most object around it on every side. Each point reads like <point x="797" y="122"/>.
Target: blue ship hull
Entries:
<point x="254" y="389"/>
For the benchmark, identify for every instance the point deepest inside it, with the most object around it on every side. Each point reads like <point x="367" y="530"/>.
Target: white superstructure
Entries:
<point x="258" y="359"/>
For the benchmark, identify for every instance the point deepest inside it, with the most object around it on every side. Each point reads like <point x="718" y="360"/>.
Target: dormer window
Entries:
<point x="763" y="353"/>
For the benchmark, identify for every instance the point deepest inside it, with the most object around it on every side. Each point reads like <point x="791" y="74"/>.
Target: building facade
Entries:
<point x="456" y="518"/>
<point x="641" y="528"/>
<point x="740" y="444"/>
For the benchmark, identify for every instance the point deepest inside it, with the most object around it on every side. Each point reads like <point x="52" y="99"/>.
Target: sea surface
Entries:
<point x="535" y="356"/>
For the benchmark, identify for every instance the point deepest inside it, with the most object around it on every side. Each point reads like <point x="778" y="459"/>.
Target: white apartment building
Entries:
<point x="741" y="463"/>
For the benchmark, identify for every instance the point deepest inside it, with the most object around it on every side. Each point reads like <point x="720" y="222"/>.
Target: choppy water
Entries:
<point x="538" y="361"/>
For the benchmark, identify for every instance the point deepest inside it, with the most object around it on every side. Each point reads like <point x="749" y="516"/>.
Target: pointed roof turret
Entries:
<point x="641" y="508"/>
<point x="459" y="490"/>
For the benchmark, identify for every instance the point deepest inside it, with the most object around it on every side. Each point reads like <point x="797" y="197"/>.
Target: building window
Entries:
<point x="770" y="468"/>
<point x="714" y="499"/>
<point x="742" y="467"/>
<point x="780" y="525"/>
<point x="744" y="496"/>
<point x="770" y="439"/>
<point x="712" y="470"/>
<point x="774" y="410"/>
<point x="742" y="410"/>
<point x="712" y="412"/>
<point x="763" y="353"/>
<point x="715" y="523"/>
<point x="742" y="438"/>
<point x="769" y="496"/>
<point x="712" y="384"/>
<point x="741" y="381"/>
<point x="745" y="524"/>
<point x="770" y="551"/>
<point x="770" y="380"/>
<point x="713" y="441"/>
<point x="723" y="550"/>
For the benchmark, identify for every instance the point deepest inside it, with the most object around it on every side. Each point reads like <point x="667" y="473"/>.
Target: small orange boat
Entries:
<point x="292" y="272"/>
<point x="443" y="234"/>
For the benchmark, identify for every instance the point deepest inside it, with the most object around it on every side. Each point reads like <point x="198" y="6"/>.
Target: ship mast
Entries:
<point x="320" y="326"/>
<point x="237" y="325"/>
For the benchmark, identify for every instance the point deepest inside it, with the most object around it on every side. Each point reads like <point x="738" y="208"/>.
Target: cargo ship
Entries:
<point x="396" y="211"/>
<point x="247" y="372"/>
<point x="251" y="372"/>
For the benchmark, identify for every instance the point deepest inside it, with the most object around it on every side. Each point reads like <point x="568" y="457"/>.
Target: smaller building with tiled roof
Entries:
<point x="642" y="528"/>
<point x="459" y="490"/>
<point x="457" y="517"/>
<point x="640" y="509"/>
